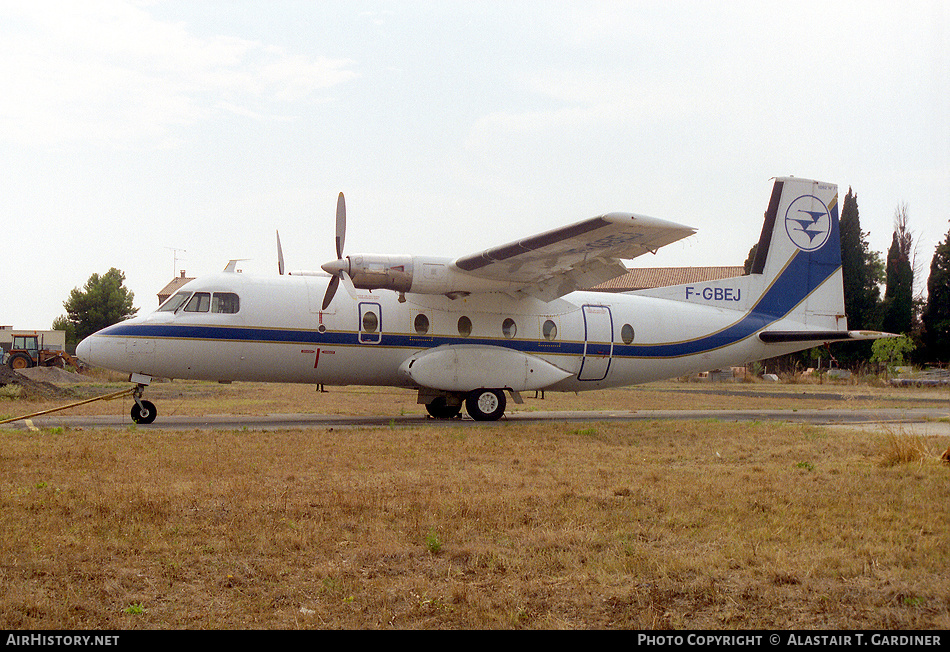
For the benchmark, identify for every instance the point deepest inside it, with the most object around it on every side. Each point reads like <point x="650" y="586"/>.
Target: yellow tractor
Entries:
<point x="26" y="353"/>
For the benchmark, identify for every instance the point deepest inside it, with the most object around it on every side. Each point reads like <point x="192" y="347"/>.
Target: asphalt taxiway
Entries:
<point x="931" y="420"/>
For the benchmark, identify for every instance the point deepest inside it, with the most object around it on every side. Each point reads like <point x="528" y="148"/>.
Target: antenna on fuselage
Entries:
<point x="231" y="267"/>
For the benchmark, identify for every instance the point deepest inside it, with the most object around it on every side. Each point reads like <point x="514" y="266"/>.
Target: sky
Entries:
<point x="159" y="136"/>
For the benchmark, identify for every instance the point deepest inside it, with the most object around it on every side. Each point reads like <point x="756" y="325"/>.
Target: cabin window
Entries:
<point x="199" y="302"/>
<point x="465" y="326"/>
<point x="421" y="324"/>
<point x="175" y="302"/>
<point x="626" y="333"/>
<point x="370" y="322"/>
<point x="509" y="328"/>
<point x="549" y="330"/>
<point x="225" y="302"/>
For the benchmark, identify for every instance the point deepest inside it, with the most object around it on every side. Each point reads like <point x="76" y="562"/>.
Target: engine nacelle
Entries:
<point x="379" y="271"/>
<point x="415" y="274"/>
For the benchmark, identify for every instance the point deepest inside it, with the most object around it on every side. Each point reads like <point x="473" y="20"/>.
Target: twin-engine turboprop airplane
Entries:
<point x="511" y="319"/>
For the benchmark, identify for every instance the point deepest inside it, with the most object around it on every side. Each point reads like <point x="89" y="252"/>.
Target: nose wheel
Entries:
<point x="144" y="412"/>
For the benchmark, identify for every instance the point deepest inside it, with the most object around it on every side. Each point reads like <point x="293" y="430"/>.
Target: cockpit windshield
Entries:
<point x="226" y="303"/>
<point x="175" y="302"/>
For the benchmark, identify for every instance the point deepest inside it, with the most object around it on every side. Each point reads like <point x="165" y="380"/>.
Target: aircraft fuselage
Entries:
<point x="279" y="333"/>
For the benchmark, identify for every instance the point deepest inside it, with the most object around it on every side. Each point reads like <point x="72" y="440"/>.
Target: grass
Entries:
<point x="664" y="524"/>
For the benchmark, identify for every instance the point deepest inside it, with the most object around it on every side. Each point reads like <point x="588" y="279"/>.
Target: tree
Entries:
<point x="103" y="301"/>
<point x="747" y="265"/>
<point x="862" y="269"/>
<point x="898" y="307"/>
<point x="892" y="351"/>
<point x="936" y="317"/>
<point x="62" y="323"/>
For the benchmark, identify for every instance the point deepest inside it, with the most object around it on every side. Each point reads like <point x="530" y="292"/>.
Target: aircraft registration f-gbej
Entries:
<point x="479" y="329"/>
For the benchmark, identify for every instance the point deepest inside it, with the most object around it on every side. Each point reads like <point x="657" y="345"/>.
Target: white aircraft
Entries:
<point x="510" y="319"/>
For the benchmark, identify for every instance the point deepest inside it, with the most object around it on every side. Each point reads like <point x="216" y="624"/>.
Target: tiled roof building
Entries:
<point x="172" y="287"/>
<point x="640" y="278"/>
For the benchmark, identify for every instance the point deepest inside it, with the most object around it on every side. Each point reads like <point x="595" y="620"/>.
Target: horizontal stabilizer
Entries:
<point x="778" y="337"/>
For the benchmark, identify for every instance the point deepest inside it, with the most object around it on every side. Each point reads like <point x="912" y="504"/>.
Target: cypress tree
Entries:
<point x="936" y="317"/>
<point x="861" y="269"/>
<point x="899" y="285"/>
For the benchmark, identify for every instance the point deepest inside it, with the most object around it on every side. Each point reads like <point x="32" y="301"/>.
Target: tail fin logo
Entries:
<point x="808" y="223"/>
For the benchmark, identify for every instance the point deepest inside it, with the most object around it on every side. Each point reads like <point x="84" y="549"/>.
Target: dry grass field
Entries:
<point x="658" y="524"/>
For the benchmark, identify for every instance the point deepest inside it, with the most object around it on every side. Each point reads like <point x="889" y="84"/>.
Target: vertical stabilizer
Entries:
<point x="796" y="273"/>
<point x="798" y="258"/>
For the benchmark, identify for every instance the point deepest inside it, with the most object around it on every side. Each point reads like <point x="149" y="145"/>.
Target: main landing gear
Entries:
<point x="481" y="405"/>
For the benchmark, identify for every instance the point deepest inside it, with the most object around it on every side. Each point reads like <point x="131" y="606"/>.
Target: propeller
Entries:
<point x="338" y="268"/>
<point x="280" y="256"/>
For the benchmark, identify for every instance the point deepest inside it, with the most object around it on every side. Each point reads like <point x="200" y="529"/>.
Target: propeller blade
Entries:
<point x="340" y="225"/>
<point x="280" y="256"/>
<point x="348" y="284"/>
<point x="331" y="290"/>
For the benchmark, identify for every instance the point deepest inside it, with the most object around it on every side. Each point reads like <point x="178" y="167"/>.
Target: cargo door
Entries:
<point x="598" y="343"/>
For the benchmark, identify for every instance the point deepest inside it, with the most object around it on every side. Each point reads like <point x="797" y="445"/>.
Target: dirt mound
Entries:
<point x="53" y="375"/>
<point x="31" y="389"/>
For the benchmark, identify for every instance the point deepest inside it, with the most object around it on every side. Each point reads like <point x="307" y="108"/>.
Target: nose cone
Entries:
<point x="84" y="350"/>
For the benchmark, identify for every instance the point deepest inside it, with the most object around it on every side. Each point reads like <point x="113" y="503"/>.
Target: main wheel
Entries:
<point x="440" y="408"/>
<point x="144" y="414"/>
<point x="485" y="404"/>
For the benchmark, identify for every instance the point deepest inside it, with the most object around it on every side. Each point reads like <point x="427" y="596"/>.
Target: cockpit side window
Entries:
<point x="175" y="302"/>
<point x="200" y="302"/>
<point x="225" y="302"/>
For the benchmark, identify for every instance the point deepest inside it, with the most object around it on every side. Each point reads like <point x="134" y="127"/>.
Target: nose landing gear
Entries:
<point x="143" y="411"/>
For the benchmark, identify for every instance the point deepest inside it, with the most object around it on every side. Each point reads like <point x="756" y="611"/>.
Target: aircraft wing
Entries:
<point x="581" y="255"/>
